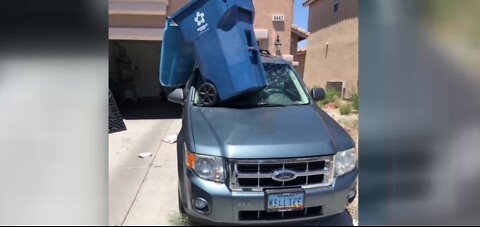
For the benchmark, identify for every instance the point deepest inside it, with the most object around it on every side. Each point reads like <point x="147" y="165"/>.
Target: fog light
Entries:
<point x="201" y="205"/>
<point x="352" y="194"/>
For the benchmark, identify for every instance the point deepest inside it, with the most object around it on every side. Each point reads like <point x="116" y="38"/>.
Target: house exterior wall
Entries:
<point x="142" y="21"/>
<point x="174" y="5"/>
<point x="321" y="13"/>
<point x="264" y="11"/>
<point x="294" y="44"/>
<point x="338" y="61"/>
<point x="300" y="58"/>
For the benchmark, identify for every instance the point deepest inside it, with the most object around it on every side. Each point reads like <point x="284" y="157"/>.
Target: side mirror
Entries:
<point x="317" y="94"/>
<point x="176" y="96"/>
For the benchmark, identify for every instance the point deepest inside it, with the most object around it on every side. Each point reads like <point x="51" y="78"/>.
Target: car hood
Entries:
<point x="267" y="132"/>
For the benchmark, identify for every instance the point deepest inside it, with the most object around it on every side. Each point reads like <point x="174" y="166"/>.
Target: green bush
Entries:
<point x="354" y="100"/>
<point x="345" y="108"/>
<point x="331" y="95"/>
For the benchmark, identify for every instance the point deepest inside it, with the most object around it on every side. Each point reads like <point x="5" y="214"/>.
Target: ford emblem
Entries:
<point x="284" y="175"/>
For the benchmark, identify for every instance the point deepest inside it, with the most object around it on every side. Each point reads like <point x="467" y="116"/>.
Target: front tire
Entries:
<point x="181" y="209"/>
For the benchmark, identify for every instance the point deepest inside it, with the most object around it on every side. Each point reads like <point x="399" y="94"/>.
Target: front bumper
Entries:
<point x="226" y="206"/>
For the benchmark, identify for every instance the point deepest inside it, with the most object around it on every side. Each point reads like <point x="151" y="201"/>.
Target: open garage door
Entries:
<point x="135" y="38"/>
<point x="134" y="69"/>
<point x="133" y="79"/>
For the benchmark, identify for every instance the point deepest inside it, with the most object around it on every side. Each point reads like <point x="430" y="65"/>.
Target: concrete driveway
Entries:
<point x="144" y="191"/>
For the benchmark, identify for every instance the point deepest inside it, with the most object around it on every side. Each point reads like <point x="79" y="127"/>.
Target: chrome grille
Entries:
<point x="256" y="175"/>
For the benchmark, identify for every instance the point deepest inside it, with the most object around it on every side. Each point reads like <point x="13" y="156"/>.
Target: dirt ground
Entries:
<point x="350" y="123"/>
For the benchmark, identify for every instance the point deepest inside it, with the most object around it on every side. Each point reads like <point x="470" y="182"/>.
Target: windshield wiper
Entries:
<point x="253" y="105"/>
<point x="269" y="105"/>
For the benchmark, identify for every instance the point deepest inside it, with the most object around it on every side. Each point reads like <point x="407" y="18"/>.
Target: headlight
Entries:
<point x="345" y="161"/>
<point x="206" y="167"/>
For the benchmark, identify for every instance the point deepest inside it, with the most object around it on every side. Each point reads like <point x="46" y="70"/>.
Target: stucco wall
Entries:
<point x="340" y="62"/>
<point x="301" y="57"/>
<point x="139" y="21"/>
<point x="321" y="13"/>
<point x="174" y="5"/>
<point x="293" y="44"/>
<point x="264" y="10"/>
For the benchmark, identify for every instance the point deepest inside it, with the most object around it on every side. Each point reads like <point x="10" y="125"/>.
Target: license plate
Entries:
<point x="285" y="201"/>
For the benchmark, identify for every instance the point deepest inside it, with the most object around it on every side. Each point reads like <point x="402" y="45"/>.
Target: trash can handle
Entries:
<point x="250" y="40"/>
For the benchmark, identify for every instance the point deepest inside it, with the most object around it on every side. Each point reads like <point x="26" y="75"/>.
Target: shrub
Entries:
<point x="354" y="100"/>
<point x="331" y="95"/>
<point x="345" y="108"/>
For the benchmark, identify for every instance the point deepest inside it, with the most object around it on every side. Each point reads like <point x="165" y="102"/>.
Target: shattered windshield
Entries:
<point x="283" y="89"/>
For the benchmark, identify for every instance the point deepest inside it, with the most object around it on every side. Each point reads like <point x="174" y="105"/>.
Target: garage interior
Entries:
<point x="135" y="40"/>
<point x="133" y="80"/>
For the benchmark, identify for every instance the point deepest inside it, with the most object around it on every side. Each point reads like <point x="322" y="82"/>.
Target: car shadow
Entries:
<point x="342" y="219"/>
<point x="150" y="109"/>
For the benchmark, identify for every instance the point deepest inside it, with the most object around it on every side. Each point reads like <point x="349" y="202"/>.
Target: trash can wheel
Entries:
<point x="208" y="94"/>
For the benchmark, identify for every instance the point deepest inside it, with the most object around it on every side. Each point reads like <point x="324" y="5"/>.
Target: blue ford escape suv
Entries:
<point x="270" y="157"/>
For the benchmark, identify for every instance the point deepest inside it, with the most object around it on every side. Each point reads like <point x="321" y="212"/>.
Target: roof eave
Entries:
<point x="300" y="32"/>
<point x="307" y="3"/>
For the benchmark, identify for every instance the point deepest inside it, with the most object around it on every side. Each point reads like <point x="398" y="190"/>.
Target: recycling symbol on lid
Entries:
<point x="200" y="18"/>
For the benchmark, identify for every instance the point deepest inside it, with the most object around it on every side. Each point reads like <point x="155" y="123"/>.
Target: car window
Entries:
<point x="283" y="89"/>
